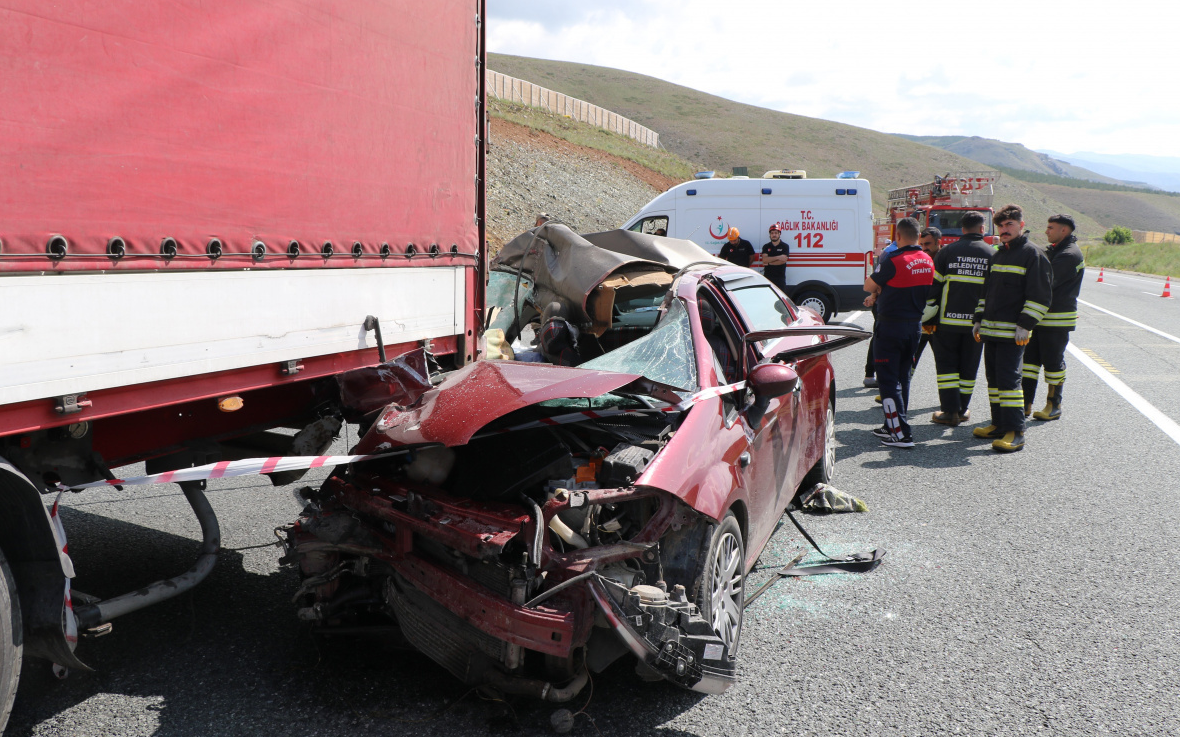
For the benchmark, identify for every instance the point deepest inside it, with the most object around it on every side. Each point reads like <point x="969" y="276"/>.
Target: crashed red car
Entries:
<point x="529" y="523"/>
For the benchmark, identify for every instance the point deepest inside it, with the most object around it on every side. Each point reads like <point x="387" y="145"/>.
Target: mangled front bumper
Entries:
<point x="470" y="588"/>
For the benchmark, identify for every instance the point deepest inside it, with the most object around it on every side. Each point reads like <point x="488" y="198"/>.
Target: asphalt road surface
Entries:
<point x="1034" y="593"/>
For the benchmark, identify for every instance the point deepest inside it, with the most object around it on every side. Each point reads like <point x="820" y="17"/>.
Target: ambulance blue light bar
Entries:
<point x="848" y="175"/>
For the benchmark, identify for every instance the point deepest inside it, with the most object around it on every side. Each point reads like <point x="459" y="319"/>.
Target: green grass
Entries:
<point x="1148" y="258"/>
<point x="584" y="134"/>
<point x="720" y="134"/>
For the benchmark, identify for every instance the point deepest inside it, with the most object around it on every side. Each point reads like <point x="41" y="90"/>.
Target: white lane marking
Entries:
<point x="1137" y="324"/>
<point x="854" y="315"/>
<point x="1162" y="421"/>
<point x="1153" y="294"/>
<point x="1132" y="278"/>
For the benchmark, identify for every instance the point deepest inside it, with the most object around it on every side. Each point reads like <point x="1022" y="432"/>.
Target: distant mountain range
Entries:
<point x="1158" y="171"/>
<point x="1015" y="156"/>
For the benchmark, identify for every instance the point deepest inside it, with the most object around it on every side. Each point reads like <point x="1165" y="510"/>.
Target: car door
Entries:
<point x="780" y="427"/>
<point x="772" y="424"/>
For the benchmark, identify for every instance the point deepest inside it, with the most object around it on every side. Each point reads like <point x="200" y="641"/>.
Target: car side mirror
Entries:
<point x="772" y="380"/>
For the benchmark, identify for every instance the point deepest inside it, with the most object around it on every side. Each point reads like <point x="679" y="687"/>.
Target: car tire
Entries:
<point x="10" y="641"/>
<point x="825" y="468"/>
<point x="722" y="591"/>
<point x="819" y="302"/>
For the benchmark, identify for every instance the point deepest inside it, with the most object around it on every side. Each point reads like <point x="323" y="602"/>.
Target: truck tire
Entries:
<point x="10" y="641"/>
<point x="819" y="302"/>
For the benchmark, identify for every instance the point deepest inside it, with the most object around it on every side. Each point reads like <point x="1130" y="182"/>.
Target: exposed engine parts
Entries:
<point x="521" y="561"/>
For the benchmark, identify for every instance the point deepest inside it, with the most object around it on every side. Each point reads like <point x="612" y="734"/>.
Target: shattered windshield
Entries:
<point x="499" y="294"/>
<point x="664" y="355"/>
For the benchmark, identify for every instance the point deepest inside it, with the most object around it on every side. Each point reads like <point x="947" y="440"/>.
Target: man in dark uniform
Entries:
<point x="930" y="240"/>
<point x="1017" y="289"/>
<point x="949" y="315"/>
<point x="738" y="250"/>
<point x="774" y="259"/>
<point x="898" y="287"/>
<point x="1047" y="346"/>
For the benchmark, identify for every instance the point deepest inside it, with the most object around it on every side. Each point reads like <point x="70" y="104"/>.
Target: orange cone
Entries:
<point x="1167" y="288"/>
<point x="1100" y="274"/>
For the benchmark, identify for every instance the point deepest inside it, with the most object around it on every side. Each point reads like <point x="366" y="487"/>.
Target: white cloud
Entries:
<point x="1066" y="76"/>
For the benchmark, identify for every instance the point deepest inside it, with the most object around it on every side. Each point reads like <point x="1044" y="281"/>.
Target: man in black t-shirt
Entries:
<point x="738" y="250"/>
<point x="774" y="259"/>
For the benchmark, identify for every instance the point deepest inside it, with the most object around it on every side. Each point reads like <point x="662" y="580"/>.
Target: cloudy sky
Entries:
<point x="1076" y="76"/>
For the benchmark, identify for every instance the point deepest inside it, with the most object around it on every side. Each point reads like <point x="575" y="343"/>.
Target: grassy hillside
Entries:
<point x="1009" y="155"/>
<point x="719" y="134"/>
<point x="584" y="134"/>
<point x="1149" y="258"/>
<point x="1139" y="211"/>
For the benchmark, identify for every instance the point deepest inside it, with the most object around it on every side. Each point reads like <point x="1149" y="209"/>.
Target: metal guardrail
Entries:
<point x="504" y="87"/>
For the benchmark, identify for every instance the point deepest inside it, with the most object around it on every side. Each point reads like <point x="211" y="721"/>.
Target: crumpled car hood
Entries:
<point x="472" y="397"/>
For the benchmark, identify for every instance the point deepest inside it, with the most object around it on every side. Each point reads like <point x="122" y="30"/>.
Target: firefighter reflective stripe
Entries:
<point x="979" y="307"/>
<point x="966" y="386"/>
<point x="965" y="279"/>
<point x="1055" y="378"/>
<point x="1012" y="398"/>
<point x="956" y="321"/>
<point x="947" y="381"/>
<point x="1034" y="310"/>
<point x="993" y="395"/>
<point x="1060" y="320"/>
<point x="1030" y="371"/>
<point x="998" y="329"/>
<point x="939" y="277"/>
<point x="1009" y="269"/>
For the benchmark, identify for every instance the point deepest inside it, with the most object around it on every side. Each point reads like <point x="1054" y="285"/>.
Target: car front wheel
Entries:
<point x="825" y="468"/>
<point x="10" y="641"/>
<point x="722" y="591"/>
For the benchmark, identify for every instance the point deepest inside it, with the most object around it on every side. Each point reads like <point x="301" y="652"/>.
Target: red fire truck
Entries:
<point x="210" y="212"/>
<point x="941" y="204"/>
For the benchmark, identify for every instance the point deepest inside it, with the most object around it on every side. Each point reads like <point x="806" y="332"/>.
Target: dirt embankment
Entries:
<point x="530" y="172"/>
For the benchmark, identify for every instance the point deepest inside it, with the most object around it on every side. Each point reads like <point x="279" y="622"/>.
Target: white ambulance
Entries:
<point x="827" y="223"/>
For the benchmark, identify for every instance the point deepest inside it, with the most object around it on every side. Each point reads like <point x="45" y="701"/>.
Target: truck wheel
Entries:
<point x="10" y="641"/>
<point x="722" y="591"/>
<point x="825" y="468"/>
<point x="819" y="302"/>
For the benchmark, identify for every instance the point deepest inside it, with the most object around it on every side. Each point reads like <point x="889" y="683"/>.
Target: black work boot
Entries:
<point x="1052" y="410"/>
<point x="1029" y="387"/>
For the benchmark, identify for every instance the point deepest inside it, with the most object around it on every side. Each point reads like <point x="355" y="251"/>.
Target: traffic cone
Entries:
<point x="1167" y="288"/>
<point x="1100" y="275"/>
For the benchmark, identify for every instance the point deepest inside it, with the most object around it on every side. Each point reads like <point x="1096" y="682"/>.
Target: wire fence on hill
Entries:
<point x="1151" y="236"/>
<point x="518" y="90"/>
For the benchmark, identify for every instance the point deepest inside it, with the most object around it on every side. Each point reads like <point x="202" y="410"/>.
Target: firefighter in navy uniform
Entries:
<point x="950" y="314"/>
<point x="1047" y="347"/>
<point x="898" y="287"/>
<point x="1017" y="289"/>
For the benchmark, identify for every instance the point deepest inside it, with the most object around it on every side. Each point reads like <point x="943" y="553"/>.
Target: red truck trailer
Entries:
<point x="941" y="204"/>
<point x="209" y="213"/>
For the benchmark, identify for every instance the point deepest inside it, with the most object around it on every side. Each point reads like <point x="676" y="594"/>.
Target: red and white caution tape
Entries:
<point x="598" y="414"/>
<point x="230" y="469"/>
<point x="59" y="536"/>
<point x="258" y="466"/>
<point x="715" y="391"/>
